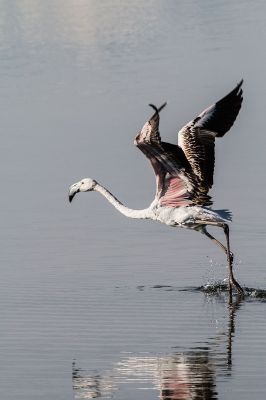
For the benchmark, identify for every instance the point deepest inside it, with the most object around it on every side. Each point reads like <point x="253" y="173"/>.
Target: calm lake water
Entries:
<point x="94" y="305"/>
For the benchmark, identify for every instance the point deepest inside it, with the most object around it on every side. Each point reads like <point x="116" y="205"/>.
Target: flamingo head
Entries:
<point x="85" y="185"/>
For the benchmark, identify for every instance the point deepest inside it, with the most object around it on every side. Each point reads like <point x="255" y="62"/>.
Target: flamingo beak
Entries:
<point x="73" y="190"/>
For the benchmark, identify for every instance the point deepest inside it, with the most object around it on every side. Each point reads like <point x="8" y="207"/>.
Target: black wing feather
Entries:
<point x="197" y="138"/>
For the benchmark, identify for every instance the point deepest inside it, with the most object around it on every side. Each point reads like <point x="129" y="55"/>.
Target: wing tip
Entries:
<point x="238" y="89"/>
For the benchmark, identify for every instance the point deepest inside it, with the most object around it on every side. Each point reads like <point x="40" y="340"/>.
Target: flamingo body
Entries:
<point x="184" y="173"/>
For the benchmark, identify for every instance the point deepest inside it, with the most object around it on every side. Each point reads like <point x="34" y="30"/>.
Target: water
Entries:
<point x="94" y="305"/>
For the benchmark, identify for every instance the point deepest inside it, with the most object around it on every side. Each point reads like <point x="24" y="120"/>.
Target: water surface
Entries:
<point x="85" y="309"/>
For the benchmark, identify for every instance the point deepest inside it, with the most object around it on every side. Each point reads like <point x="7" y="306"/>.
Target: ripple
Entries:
<point x="256" y="293"/>
<point x="215" y="288"/>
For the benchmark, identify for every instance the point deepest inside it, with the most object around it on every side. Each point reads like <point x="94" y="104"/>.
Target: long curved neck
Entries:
<point x="128" y="212"/>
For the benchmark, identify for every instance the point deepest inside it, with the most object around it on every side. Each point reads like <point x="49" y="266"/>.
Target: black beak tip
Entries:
<point x="72" y="195"/>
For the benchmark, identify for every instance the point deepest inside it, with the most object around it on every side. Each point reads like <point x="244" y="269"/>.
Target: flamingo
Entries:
<point x="184" y="174"/>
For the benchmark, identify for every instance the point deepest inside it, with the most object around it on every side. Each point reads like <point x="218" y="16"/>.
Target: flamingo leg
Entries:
<point x="230" y="263"/>
<point x="226" y="249"/>
<point x="206" y="233"/>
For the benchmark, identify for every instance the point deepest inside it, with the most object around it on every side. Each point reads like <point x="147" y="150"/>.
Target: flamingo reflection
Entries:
<point x="187" y="375"/>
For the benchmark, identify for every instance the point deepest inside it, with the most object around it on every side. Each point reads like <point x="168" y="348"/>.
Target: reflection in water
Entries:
<point x="91" y="387"/>
<point x="232" y="307"/>
<point x="183" y="375"/>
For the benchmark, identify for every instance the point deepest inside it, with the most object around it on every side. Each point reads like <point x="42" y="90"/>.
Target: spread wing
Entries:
<point x="175" y="184"/>
<point x="197" y="138"/>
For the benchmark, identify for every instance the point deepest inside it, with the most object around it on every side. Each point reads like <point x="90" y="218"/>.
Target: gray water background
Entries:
<point x="84" y="290"/>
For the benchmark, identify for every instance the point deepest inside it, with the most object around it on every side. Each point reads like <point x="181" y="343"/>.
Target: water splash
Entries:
<point x="221" y="287"/>
<point x="216" y="288"/>
<point x="255" y="293"/>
